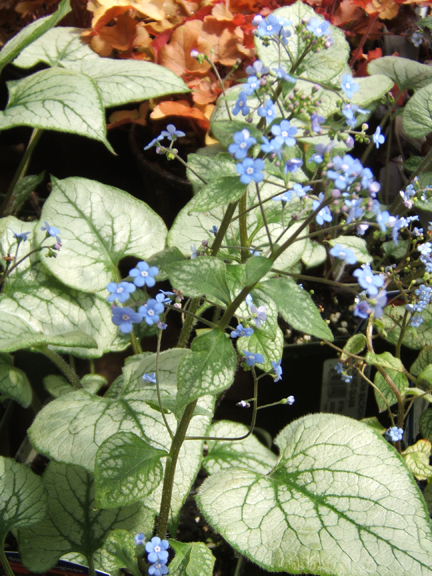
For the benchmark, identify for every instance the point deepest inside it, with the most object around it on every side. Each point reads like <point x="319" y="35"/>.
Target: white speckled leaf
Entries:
<point x="73" y="523"/>
<point x="191" y="559"/>
<point x="417" y="116"/>
<point x="119" y="81"/>
<point x="320" y="66"/>
<point x="99" y="225"/>
<point x="200" y="276"/>
<point x="314" y="254"/>
<point x="209" y="369"/>
<point x="14" y="382"/>
<point x="263" y="342"/>
<point x="426" y="424"/>
<point x="31" y="32"/>
<point x="340" y="502"/>
<point x="127" y="468"/>
<point x="118" y="552"/>
<point x="56" y="99"/>
<point x="356" y="244"/>
<point x="405" y="73"/>
<point x="36" y="308"/>
<point x="23" y="500"/>
<point x="413" y="338"/>
<point x="417" y="459"/>
<point x="250" y="453"/>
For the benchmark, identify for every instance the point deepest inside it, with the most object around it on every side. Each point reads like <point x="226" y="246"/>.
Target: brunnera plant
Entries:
<point x="278" y="196"/>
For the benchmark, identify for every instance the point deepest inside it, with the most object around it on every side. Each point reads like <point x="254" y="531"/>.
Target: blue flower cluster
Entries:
<point x="424" y="295"/>
<point x="157" y="554"/>
<point x="374" y="300"/>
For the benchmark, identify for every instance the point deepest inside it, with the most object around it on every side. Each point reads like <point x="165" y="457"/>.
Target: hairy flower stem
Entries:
<point x="170" y="469"/>
<point x="61" y="365"/>
<point x="4" y="562"/>
<point x="372" y="143"/>
<point x="243" y="227"/>
<point x="21" y="170"/>
<point x="223" y="227"/>
<point x="188" y="323"/>
<point x="158" y="387"/>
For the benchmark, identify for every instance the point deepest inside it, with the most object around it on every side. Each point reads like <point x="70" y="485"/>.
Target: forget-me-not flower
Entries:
<point x="349" y="86"/>
<point x="343" y="253"/>
<point x="368" y="280"/>
<point x="267" y="111"/>
<point x="241" y="104"/>
<point x="20" y="236"/>
<point x="139" y="539"/>
<point x="251" y="359"/>
<point x="250" y="170"/>
<point x="242" y="142"/>
<point x="151" y="311"/>
<point x="51" y="231"/>
<point x="285" y="131"/>
<point x="120" y="291"/>
<point x="277" y="369"/>
<point x="240" y="331"/>
<point x="324" y="215"/>
<point x="293" y="164"/>
<point x="157" y="549"/>
<point x="378" y="138"/>
<point x="172" y="133"/>
<point x="252" y="85"/>
<point x="143" y="274"/>
<point x="257" y="69"/>
<point x="317" y="27"/>
<point x="395" y="433"/>
<point x="124" y="318"/>
<point x="150" y="377"/>
<point x="158" y="568"/>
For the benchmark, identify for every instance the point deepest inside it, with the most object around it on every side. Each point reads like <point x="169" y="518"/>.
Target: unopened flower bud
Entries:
<point x="194" y="53"/>
<point x="256" y="19"/>
<point x="335" y="193"/>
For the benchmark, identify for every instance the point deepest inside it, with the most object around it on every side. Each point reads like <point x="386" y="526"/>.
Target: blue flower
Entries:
<point x="269" y="27"/>
<point x="124" y="318"/>
<point x="362" y="309"/>
<point x="194" y="253"/>
<point x="316" y="120"/>
<point x="259" y="314"/>
<point x="157" y="549"/>
<point x="51" y="231"/>
<point x="250" y="170"/>
<point x="379" y="303"/>
<point x="151" y="311"/>
<point x="395" y="433"/>
<point x="257" y="69"/>
<point x="143" y="274"/>
<point x="316" y="158"/>
<point x="158" y="569"/>
<point x="139" y="539"/>
<point x="280" y="73"/>
<point x="249" y="300"/>
<point x="346" y="254"/>
<point x="301" y="190"/>
<point x="20" y="236"/>
<point x="285" y="131"/>
<point x="161" y="325"/>
<point x="346" y="378"/>
<point x="172" y="133"/>
<point x="164" y="297"/>
<point x="324" y="215"/>
<point x="252" y="359"/>
<point x="273" y="147"/>
<point x="417" y="39"/>
<point x="242" y="142"/>
<point x="368" y="280"/>
<point x="254" y="252"/>
<point x="416" y="321"/>
<point x="213" y="230"/>
<point x="252" y="84"/>
<point x="339" y="367"/>
<point x="317" y="27"/>
<point x="293" y="164"/>
<point x="290" y="400"/>
<point x="285" y="197"/>
<point x="154" y="142"/>
<point x="241" y="104"/>
<point x="240" y="331"/>
<point x="277" y="369"/>
<point x="378" y="138"/>
<point x="120" y="291"/>
<point x="150" y="378"/>
<point x="267" y="111"/>
<point x="349" y="86"/>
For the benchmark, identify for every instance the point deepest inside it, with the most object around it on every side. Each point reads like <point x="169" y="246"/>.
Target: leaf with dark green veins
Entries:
<point x="424" y="379"/>
<point x="22" y="191"/>
<point x="119" y="81"/>
<point x="399" y="380"/>
<point x="427" y="495"/>
<point x="93" y="382"/>
<point x="415" y="338"/>
<point x="203" y="169"/>
<point x="31" y="33"/>
<point x="218" y="192"/>
<point x="57" y="385"/>
<point x="249" y="453"/>
<point x="327" y="508"/>
<point x="56" y="99"/>
<point x="375" y="424"/>
<point x="14" y="382"/>
<point x="417" y="459"/>
<point x="266" y="341"/>
<point x="99" y="225"/>
<point x="191" y="559"/>
<point x="164" y="258"/>
<point x="385" y="360"/>
<point x="314" y="254"/>
<point x="423" y="360"/>
<point x="355" y="345"/>
<point x="398" y="250"/>
<point x="118" y="552"/>
<point x="412" y="163"/>
<point x="426" y="424"/>
<point x="405" y="73"/>
<point x="23" y="500"/>
<point x="296" y="307"/>
<point x="223" y="130"/>
<point x="209" y="369"/>
<point x="127" y="468"/>
<point x="256" y="268"/>
<point x="200" y="276"/>
<point x="73" y="523"/>
<point x="417" y="116"/>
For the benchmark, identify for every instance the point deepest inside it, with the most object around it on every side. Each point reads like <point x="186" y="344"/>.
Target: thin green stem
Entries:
<point x="315" y="279"/>
<point x="185" y="164"/>
<point x="387" y="164"/>
<point x="61" y="365"/>
<point x="239" y="566"/>
<point x="188" y="323"/>
<point x="243" y="227"/>
<point x="4" y="561"/>
<point x="223" y="227"/>
<point x="264" y="217"/>
<point x="21" y="170"/>
<point x="170" y="469"/>
<point x="216" y="71"/>
<point x="372" y="143"/>
<point x="136" y="346"/>
<point x="91" y="565"/>
<point x="167" y="426"/>
<point x="195" y="316"/>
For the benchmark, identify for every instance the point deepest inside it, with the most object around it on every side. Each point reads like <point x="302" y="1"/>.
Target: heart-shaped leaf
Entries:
<point x="118" y="552"/>
<point x="13" y="382"/>
<point x="339" y="502"/>
<point x="405" y="73"/>
<point x="197" y="277"/>
<point x="191" y="559"/>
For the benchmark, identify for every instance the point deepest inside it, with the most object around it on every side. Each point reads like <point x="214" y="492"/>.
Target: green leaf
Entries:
<point x="327" y="508"/>
<point x="426" y="424"/>
<point x="23" y="499"/>
<point x="423" y="360"/>
<point x="417" y="116"/>
<point x="73" y="524"/>
<point x="209" y="168"/>
<point x="417" y="459"/>
<point x="372" y="88"/>
<point x="31" y="32"/>
<point x="36" y="308"/>
<point x="93" y="382"/>
<point x="119" y="81"/>
<point x="14" y="382"/>
<point x="427" y="21"/>
<point x="314" y="255"/>
<point x="191" y="559"/>
<point x="355" y="345"/>
<point x="405" y="73"/>
<point x="22" y="191"/>
<point x="248" y="453"/>
<point x="375" y="424"/>
<point x="57" y="385"/>
<point x="256" y="268"/>
<point x="265" y="341"/>
<point x="223" y="130"/>
<point x="357" y="245"/>
<point x="209" y="369"/>
<point x="320" y="67"/>
<point x="71" y="428"/>
<point x="118" y="552"/>
<point x="424" y="379"/>
<point x="99" y="225"/>
<point x="413" y="163"/>
<point x="200" y="276"/>
<point x="399" y="380"/>
<point x="164" y="258"/>
<point x="427" y="495"/>
<point x="385" y="360"/>
<point x="56" y="99"/>
<point x="416" y="339"/>
<point x="398" y="250"/>
<point x="127" y="468"/>
<point x="218" y="192"/>
<point x="296" y="307"/>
